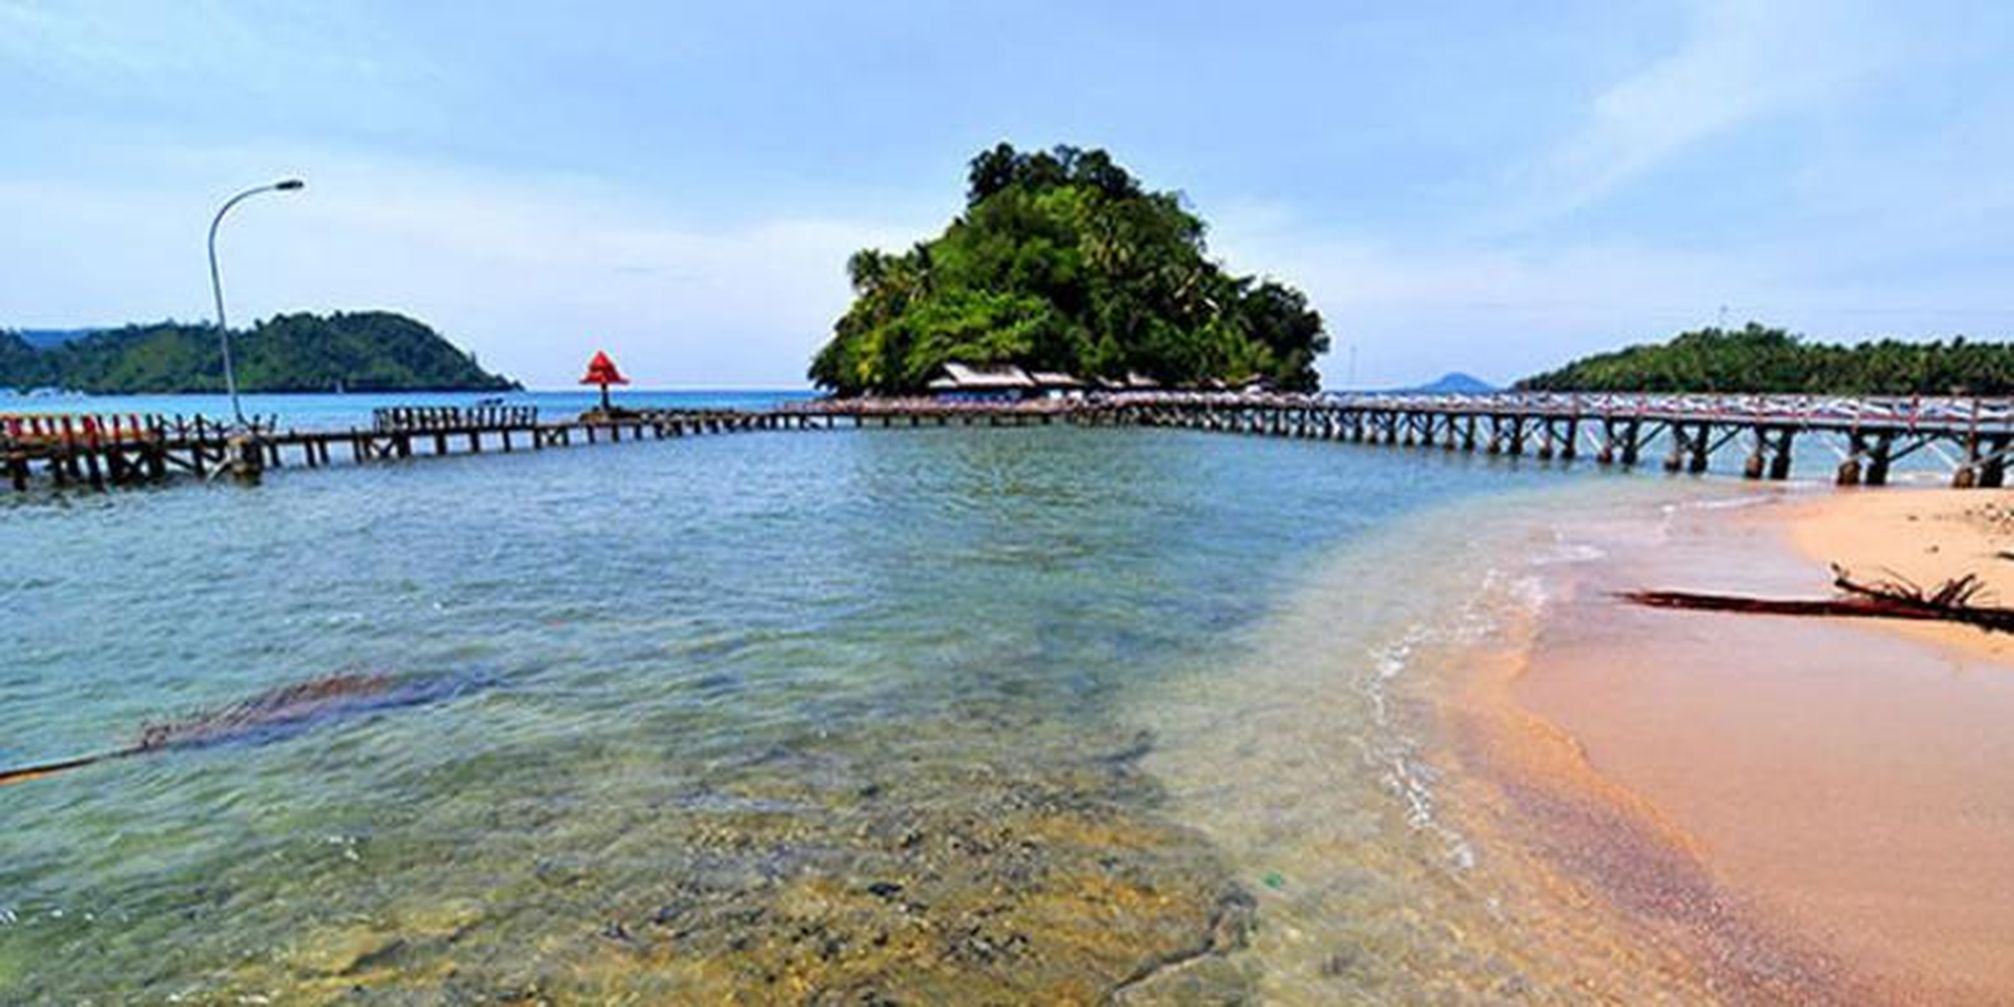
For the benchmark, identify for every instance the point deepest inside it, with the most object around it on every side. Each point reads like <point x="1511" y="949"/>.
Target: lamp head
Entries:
<point x="289" y="185"/>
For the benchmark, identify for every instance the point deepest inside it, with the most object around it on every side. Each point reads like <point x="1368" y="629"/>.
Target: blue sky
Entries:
<point x="1492" y="187"/>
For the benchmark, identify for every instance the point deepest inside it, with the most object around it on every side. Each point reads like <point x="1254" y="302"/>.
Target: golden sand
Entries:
<point x="1925" y="536"/>
<point x="1826" y="806"/>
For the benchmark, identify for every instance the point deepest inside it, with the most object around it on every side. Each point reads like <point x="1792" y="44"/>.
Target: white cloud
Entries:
<point x="1743" y="62"/>
<point x="1413" y="313"/>
<point x="532" y="274"/>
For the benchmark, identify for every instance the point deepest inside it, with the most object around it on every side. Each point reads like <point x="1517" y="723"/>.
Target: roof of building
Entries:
<point x="981" y="377"/>
<point x="1055" y="379"/>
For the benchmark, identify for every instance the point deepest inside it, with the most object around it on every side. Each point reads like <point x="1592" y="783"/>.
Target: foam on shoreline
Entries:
<point x="1488" y="778"/>
<point x="1319" y="765"/>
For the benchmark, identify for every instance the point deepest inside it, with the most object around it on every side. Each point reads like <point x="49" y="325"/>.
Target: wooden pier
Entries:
<point x="1971" y="438"/>
<point x="103" y="452"/>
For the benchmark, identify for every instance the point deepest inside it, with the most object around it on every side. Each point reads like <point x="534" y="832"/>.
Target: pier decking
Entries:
<point x="1971" y="438"/>
<point x="103" y="452"/>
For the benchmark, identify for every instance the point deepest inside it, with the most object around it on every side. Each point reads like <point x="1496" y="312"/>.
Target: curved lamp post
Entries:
<point x="217" y="284"/>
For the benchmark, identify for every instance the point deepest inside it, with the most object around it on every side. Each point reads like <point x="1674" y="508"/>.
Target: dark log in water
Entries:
<point x="267" y="715"/>
<point x="273" y="709"/>
<point x="1891" y="598"/>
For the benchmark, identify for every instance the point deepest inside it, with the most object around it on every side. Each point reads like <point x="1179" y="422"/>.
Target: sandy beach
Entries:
<point x="1923" y="536"/>
<point x="1808" y="809"/>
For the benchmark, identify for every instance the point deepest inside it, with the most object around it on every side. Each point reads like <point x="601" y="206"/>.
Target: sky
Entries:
<point x="1494" y="187"/>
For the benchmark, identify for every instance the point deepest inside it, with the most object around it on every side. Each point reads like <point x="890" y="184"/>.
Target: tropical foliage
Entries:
<point x="1759" y="359"/>
<point x="360" y="351"/>
<point x="1062" y="262"/>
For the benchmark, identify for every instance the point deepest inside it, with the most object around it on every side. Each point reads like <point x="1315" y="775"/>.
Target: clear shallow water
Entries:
<point x="764" y="715"/>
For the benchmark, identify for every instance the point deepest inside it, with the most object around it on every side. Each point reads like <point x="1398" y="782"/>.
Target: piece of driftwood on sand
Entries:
<point x="1894" y="597"/>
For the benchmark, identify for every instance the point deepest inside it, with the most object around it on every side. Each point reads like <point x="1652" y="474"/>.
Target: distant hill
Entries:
<point x="1452" y="383"/>
<point x="1761" y="359"/>
<point x="42" y="339"/>
<point x="359" y="351"/>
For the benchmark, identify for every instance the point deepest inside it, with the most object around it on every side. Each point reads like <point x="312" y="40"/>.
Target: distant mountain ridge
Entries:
<point x="43" y="339"/>
<point x="357" y="351"/>
<point x="1452" y="383"/>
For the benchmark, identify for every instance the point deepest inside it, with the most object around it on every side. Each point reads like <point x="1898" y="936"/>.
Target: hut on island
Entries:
<point x="961" y="382"/>
<point x="1056" y="385"/>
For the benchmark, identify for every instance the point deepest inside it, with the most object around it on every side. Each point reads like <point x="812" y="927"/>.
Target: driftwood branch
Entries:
<point x="1893" y="597"/>
<point x="270" y="714"/>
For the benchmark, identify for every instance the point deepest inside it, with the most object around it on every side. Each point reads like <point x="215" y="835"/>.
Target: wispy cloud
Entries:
<point x="523" y="269"/>
<point x="1741" y="63"/>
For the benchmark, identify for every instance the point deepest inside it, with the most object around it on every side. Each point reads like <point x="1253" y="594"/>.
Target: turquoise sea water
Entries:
<point x="772" y="716"/>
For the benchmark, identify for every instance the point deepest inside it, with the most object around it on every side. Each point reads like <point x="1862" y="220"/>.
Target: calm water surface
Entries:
<point x="924" y="714"/>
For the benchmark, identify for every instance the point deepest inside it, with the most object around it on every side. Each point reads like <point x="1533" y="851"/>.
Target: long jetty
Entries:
<point x="1972" y="438"/>
<point x="108" y="451"/>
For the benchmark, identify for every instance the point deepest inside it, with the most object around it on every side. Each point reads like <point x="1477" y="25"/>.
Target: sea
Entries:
<point x="871" y="716"/>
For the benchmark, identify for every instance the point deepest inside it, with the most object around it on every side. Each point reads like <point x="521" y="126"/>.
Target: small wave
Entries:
<point x="1396" y="755"/>
<point x="1564" y="553"/>
<point x="1719" y="503"/>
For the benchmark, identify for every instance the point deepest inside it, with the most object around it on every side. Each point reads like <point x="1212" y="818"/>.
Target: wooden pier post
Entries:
<point x="243" y="458"/>
<point x="1879" y="457"/>
<point x="1849" y="467"/>
<point x="1993" y="470"/>
<point x="1675" y="459"/>
<point x="1779" y="465"/>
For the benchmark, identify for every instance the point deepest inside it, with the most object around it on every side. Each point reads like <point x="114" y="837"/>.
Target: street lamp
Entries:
<point x="217" y="284"/>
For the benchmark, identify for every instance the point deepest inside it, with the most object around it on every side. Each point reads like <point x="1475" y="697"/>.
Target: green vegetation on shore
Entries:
<point x="1062" y="262"/>
<point x="357" y="351"/>
<point x="1760" y="359"/>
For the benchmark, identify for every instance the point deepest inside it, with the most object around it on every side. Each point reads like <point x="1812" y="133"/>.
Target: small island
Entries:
<point x="378" y="351"/>
<point x="1756" y="359"/>
<point x="1062" y="263"/>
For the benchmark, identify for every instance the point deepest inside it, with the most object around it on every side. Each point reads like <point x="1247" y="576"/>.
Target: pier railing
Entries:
<point x="1972" y="438"/>
<point x="427" y="419"/>
<point x="76" y="428"/>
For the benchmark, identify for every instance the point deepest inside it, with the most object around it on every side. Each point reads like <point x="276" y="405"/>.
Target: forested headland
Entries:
<point x="357" y="351"/>
<point x="1761" y="359"/>
<point x="1063" y="261"/>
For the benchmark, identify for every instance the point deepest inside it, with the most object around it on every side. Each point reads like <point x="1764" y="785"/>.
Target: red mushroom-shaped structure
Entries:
<point x="601" y="371"/>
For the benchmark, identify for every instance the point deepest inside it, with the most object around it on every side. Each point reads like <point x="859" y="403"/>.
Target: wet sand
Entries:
<point x="1810" y="810"/>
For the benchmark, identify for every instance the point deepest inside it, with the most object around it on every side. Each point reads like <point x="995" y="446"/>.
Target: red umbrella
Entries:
<point x="601" y="371"/>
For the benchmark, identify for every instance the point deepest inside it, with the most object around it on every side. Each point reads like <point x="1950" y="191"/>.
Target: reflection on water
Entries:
<point x="914" y="713"/>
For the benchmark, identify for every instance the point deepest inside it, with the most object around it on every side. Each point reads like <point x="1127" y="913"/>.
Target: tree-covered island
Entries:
<point x="357" y="351"/>
<point x="1061" y="261"/>
<point x="1761" y="359"/>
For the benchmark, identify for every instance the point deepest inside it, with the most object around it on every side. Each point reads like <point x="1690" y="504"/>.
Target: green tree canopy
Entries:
<point x="1761" y="359"/>
<point x="360" y="351"/>
<point x="1062" y="262"/>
